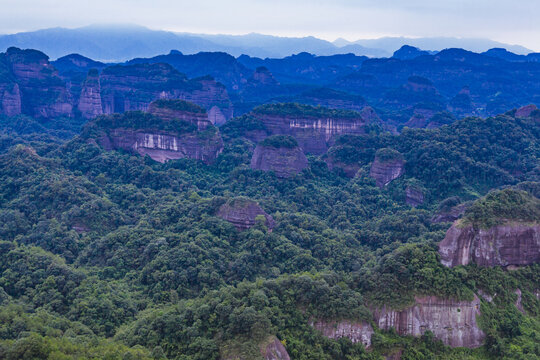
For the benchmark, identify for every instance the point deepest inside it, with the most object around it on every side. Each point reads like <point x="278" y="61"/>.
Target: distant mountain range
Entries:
<point x="120" y="43"/>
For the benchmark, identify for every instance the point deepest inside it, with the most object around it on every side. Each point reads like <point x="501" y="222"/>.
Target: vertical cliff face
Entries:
<point x="414" y="196"/>
<point x="41" y="91"/>
<point x="453" y="322"/>
<point x="279" y="154"/>
<point x="357" y="332"/>
<point x="134" y="87"/>
<point x="162" y="146"/>
<point x="242" y="213"/>
<point x="90" y="97"/>
<point x="10" y="99"/>
<point x="273" y="349"/>
<point x="503" y="245"/>
<point x="314" y="128"/>
<point x="387" y="166"/>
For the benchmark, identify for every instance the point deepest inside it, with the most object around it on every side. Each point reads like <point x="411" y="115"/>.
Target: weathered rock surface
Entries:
<point x="357" y="332"/>
<point x="284" y="162"/>
<point x="314" y="133"/>
<point x="10" y="97"/>
<point x="511" y="244"/>
<point x="525" y="111"/>
<point x="273" y="349"/>
<point x="242" y="213"/>
<point x="453" y="322"/>
<point x="90" y="98"/>
<point x="163" y="146"/>
<point x="41" y="91"/>
<point x="414" y="196"/>
<point x="450" y="215"/>
<point x="386" y="170"/>
<point x="180" y="110"/>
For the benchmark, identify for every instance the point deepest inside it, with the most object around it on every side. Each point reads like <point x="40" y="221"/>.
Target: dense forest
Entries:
<point x="111" y="255"/>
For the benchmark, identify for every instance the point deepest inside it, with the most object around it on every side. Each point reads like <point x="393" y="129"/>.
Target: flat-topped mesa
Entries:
<point x="280" y="154"/>
<point x="169" y="110"/>
<point x="502" y="229"/>
<point x="452" y="322"/>
<point x="387" y="166"/>
<point x="40" y="92"/>
<point x="315" y="128"/>
<point x="90" y="98"/>
<point x="161" y="139"/>
<point x="243" y="212"/>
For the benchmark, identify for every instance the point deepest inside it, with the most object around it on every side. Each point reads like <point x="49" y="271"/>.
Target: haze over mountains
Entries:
<point x="122" y="42"/>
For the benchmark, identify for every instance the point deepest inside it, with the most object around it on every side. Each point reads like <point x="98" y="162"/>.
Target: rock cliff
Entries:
<point x="510" y="244"/>
<point x="315" y="128"/>
<point x="387" y="166"/>
<point x="357" y="332"/>
<point x="169" y="110"/>
<point x="242" y="213"/>
<point x="414" y="196"/>
<point x="90" y="97"/>
<point x="273" y="349"/>
<point x="279" y="154"/>
<point x="40" y="91"/>
<point x="453" y="322"/>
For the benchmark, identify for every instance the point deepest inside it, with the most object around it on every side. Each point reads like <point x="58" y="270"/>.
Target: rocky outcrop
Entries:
<point x="169" y="110"/>
<point x="357" y="332"/>
<point x="163" y="146"/>
<point x="10" y="99"/>
<point x="212" y="96"/>
<point x="387" y="166"/>
<point x="284" y="160"/>
<point x="243" y="212"/>
<point x="40" y="92"/>
<point x="525" y="111"/>
<point x="449" y="215"/>
<point x="414" y="196"/>
<point x="452" y="322"/>
<point x="90" y="98"/>
<point x="314" y="128"/>
<point x="503" y="245"/>
<point x="263" y="76"/>
<point x="273" y="349"/>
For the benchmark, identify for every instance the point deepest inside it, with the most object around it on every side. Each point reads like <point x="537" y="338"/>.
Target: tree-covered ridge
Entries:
<point x="502" y="206"/>
<point x="280" y="141"/>
<point x="107" y="254"/>
<point x="139" y="120"/>
<point x="302" y="110"/>
<point x="179" y="105"/>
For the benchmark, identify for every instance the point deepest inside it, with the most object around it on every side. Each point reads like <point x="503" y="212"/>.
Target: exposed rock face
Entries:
<point x="41" y="91"/>
<point x="386" y="170"/>
<point x="242" y="213"/>
<point x="525" y="111"/>
<point x="263" y="76"/>
<point x="284" y="162"/>
<point x="10" y="97"/>
<point x="313" y="133"/>
<point x="449" y="215"/>
<point x="414" y="196"/>
<point x="453" y="322"/>
<point x="134" y="87"/>
<point x="273" y="349"/>
<point x="349" y="170"/>
<point x="90" y="98"/>
<point x="512" y="244"/>
<point x="163" y="146"/>
<point x="357" y="332"/>
<point x="180" y="110"/>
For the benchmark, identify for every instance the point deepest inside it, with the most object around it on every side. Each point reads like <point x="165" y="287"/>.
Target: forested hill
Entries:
<point x="108" y="254"/>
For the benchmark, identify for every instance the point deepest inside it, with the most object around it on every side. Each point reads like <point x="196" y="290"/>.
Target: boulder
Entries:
<point x="243" y="212"/>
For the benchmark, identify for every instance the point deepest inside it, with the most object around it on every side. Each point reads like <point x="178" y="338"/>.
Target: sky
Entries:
<point x="508" y="21"/>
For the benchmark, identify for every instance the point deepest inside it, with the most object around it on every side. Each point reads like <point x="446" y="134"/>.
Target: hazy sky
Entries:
<point x="509" y="21"/>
